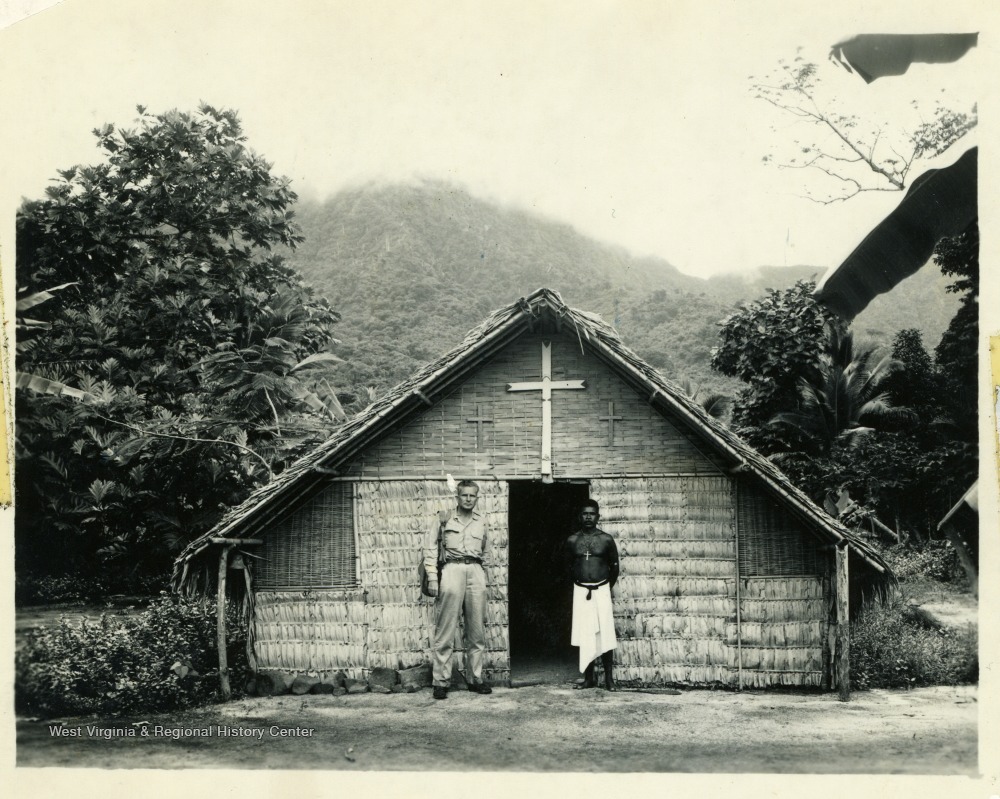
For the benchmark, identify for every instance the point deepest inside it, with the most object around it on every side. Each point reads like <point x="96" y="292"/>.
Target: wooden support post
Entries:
<point x="739" y="619"/>
<point x="842" y="655"/>
<point x="251" y="657"/>
<point x="220" y="619"/>
<point x="830" y="619"/>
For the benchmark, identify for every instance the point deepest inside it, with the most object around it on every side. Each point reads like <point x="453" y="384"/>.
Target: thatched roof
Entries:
<point x="969" y="503"/>
<point x="436" y="379"/>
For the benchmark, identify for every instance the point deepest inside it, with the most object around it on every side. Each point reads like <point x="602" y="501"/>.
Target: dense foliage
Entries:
<point x="771" y="345"/>
<point x="957" y="354"/>
<point x="162" y="658"/>
<point x="172" y="357"/>
<point x="32" y="588"/>
<point x="888" y="439"/>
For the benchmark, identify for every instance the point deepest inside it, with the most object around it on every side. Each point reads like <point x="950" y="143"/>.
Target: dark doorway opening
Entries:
<point x="540" y="519"/>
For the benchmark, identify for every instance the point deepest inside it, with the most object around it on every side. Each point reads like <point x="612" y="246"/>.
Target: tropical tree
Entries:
<point x="25" y="328"/>
<point x="844" y="398"/>
<point x="199" y="352"/>
<point x="902" y="462"/>
<point x="769" y="344"/>
<point x="957" y="353"/>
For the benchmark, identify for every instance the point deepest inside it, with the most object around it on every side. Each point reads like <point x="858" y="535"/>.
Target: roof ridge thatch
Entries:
<point x="602" y="337"/>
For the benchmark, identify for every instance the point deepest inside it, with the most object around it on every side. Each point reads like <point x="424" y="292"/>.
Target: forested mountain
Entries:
<point x="411" y="268"/>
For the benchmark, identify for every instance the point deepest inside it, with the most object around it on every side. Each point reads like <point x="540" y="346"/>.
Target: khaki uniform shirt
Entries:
<point x="459" y="538"/>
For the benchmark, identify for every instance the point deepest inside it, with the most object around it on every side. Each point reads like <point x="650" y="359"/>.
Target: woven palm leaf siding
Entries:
<point x="395" y="520"/>
<point x="783" y="622"/>
<point x="676" y="595"/>
<point x="308" y="614"/>
<point x="441" y="440"/>
<point x="318" y="632"/>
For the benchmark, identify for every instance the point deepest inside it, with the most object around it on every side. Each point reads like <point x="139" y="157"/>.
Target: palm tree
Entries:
<point x="843" y="399"/>
<point x="717" y="405"/>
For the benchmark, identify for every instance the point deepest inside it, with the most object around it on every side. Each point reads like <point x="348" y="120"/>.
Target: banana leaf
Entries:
<point x="880" y="55"/>
<point x="42" y="385"/>
<point x="939" y="203"/>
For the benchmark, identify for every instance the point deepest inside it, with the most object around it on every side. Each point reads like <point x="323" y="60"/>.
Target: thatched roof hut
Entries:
<point x="729" y="572"/>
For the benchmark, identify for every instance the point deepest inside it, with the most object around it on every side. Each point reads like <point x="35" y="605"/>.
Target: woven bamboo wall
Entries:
<point x="316" y="632"/>
<point x="676" y="596"/>
<point x="394" y="521"/>
<point x="313" y="546"/>
<point x="773" y="542"/>
<point x="442" y="439"/>
<point x="783" y="612"/>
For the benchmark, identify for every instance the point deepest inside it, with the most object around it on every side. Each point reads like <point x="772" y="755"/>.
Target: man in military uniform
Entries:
<point x="463" y="537"/>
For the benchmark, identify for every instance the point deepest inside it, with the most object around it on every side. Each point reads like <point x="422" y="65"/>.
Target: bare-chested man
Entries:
<point x="593" y="556"/>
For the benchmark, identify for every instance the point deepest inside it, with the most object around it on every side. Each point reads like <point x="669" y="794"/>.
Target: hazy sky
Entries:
<point x="632" y="121"/>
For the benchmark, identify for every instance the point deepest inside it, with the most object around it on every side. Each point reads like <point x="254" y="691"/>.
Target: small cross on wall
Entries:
<point x="610" y="419"/>
<point x="479" y="421"/>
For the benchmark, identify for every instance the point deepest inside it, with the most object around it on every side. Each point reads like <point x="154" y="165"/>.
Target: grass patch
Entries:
<point x="892" y="647"/>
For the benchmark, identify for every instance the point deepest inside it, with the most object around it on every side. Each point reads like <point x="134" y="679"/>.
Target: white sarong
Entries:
<point x="593" y="623"/>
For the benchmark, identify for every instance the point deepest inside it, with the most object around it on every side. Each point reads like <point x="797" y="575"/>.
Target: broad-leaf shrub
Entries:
<point x="893" y="648"/>
<point x="161" y="658"/>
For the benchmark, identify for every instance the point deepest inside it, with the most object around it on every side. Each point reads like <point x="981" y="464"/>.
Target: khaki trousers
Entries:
<point x="463" y="587"/>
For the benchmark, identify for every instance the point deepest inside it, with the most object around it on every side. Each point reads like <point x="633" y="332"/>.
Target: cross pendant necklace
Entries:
<point x="587" y="554"/>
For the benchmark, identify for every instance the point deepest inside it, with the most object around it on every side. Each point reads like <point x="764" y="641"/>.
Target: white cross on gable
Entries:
<point x="547" y="385"/>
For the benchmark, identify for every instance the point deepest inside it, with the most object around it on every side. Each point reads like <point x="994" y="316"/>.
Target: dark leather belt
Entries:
<point x="465" y="559"/>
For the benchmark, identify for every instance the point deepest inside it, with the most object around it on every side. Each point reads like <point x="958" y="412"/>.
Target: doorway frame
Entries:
<point x="512" y="490"/>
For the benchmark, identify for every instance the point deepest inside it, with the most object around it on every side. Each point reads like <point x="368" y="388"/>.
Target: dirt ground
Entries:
<point x="539" y="728"/>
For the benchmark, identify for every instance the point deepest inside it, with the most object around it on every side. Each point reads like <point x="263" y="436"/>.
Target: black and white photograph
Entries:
<point x="417" y="398"/>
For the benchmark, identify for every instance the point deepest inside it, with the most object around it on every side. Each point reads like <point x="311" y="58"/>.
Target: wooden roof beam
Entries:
<point x="237" y="542"/>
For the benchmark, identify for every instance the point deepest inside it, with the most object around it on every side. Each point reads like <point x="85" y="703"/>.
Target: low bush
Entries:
<point x="936" y="560"/>
<point x="162" y="658"/>
<point x="891" y="647"/>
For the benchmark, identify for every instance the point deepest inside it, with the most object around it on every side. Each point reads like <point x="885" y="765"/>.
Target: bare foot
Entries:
<point x="585" y="684"/>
